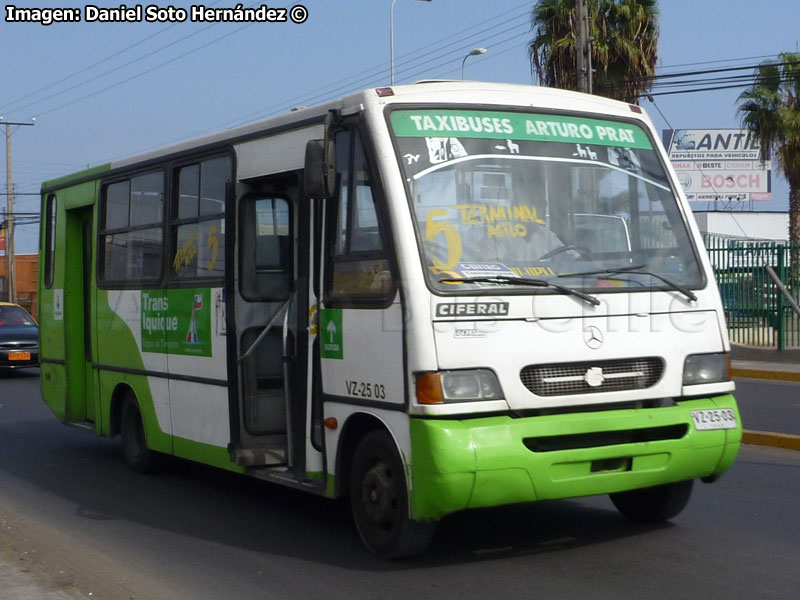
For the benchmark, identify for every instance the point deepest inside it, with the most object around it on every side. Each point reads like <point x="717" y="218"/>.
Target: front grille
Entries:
<point x="605" y="438"/>
<point x="563" y="379"/>
<point x="18" y="345"/>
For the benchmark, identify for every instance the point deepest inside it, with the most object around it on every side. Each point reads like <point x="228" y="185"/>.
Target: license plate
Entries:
<point x="717" y="418"/>
<point x="19" y="356"/>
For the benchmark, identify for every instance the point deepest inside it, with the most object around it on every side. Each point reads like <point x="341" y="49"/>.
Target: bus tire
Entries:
<point x="654" y="504"/>
<point x="137" y="455"/>
<point x="379" y="500"/>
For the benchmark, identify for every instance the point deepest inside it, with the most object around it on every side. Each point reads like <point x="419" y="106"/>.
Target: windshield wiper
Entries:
<point x="634" y="270"/>
<point x="503" y="279"/>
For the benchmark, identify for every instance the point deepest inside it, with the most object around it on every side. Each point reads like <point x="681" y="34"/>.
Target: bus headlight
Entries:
<point x="458" y="386"/>
<point x="706" y="368"/>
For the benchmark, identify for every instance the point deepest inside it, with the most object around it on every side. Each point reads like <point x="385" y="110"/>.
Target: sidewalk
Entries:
<point x="775" y="365"/>
<point x="765" y="363"/>
<point x="18" y="584"/>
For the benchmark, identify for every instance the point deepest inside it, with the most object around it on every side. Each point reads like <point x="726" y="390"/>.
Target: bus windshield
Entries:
<point x="537" y="196"/>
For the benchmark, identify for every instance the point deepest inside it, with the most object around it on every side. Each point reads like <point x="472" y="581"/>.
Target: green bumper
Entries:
<point x="479" y="462"/>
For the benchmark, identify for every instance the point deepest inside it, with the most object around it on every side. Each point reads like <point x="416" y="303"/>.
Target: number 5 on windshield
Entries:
<point x="451" y="236"/>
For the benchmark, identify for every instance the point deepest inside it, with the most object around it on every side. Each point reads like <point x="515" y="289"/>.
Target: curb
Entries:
<point x="767" y="438"/>
<point x="763" y="374"/>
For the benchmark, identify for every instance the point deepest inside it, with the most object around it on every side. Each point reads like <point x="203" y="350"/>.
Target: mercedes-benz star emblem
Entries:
<point x="592" y="337"/>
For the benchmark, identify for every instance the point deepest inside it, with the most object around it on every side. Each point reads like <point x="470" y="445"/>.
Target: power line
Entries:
<point x="658" y="79"/>
<point x="107" y="58"/>
<point x="447" y="58"/>
<point x="145" y="72"/>
<point x="84" y="70"/>
<point x="366" y="77"/>
<point x="695" y="90"/>
<point x="494" y="54"/>
<point x="722" y="60"/>
<point x="140" y="74"/>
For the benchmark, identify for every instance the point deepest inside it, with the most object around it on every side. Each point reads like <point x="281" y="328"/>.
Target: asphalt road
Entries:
<point x="769" y="405"/>
<point x="73" y="515"/>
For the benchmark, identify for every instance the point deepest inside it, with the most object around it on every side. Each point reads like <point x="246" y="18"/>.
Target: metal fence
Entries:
<point x="756" y="312"/>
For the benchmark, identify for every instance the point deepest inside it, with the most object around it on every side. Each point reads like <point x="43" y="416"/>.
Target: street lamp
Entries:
<point x="473" y="52"/>
<point x="391" y="37"/>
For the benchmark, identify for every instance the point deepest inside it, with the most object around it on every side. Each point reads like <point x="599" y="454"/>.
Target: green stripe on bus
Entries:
<point x="76" y="176"/>
<point x="517" y="126"/>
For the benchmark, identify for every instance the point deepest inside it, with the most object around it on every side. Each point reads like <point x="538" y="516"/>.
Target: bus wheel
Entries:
<point x="134" y="444"/>
<point x="379" y="499"/>
<point x="653" y="504"/>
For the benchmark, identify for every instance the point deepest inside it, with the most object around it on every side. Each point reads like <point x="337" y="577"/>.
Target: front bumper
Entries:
<point x="491" y="461"/>
<point x="7" y="363"/>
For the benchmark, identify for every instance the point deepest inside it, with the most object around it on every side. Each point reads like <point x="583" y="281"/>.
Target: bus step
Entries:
<point x="251" y="457"/>
<point x="289" y="477"/>
<point x="83" y="425"/>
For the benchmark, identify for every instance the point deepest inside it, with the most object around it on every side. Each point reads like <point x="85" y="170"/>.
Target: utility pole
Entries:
<point x="11" y="273"/>
<point x="583" y="46"/>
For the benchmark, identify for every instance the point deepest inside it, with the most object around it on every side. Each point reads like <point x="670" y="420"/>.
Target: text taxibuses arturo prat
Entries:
<point x="154" y="13"/>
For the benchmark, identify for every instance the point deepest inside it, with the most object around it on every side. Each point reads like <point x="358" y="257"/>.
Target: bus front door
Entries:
<point x="270" y="340"/>
<point x="77" y="316"/>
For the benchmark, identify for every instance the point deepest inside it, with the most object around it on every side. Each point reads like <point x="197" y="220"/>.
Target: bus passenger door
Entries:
<point x="77" y="315"/>
<point x="270" y="363"/>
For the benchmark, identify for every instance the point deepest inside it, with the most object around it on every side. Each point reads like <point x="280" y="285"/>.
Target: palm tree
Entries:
<point x="770" y="108"/>
<point x="624" y="45"/>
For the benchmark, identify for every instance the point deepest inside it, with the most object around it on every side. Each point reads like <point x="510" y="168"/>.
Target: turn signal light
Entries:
<point x="429" y="388"/>
<point x="331" y="423"/>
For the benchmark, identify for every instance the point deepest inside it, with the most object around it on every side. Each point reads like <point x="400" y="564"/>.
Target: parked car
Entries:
<point x="19" y="338"/>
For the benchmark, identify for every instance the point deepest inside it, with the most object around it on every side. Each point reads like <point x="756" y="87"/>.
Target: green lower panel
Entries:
<point x="485" y="461"/>
<point x="53" y="381"/>
<point x="205" y="453"/>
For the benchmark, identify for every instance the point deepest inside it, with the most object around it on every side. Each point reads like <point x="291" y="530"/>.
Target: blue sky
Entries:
<point x="101" y="91"/>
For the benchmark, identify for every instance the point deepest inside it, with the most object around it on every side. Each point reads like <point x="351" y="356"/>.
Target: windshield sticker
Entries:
<point x="610" y="282"/>
<point x="624" y="159"/>
<point x="546" y="271"/>
<point x="585" y="152"/>
<point x="511" y="147"/>
<point x="472" y="269"/>
<point x="495" y="221"/>
<point x="497" y="214"/>
<point x="517" y="126"/>
<point x="444" y="149"/>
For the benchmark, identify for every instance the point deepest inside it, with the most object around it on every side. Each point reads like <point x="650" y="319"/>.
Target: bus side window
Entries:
<point x="358" y="267"/>
<point x="266" y="248"/>
<point x="131" y="229"/>
<point x="198" y="223"/>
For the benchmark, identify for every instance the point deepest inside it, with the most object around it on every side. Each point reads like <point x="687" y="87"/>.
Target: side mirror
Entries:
<point x="319" y="175"/>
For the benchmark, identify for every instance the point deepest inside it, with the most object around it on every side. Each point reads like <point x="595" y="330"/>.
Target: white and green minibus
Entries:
<point x="426" y="298"/>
